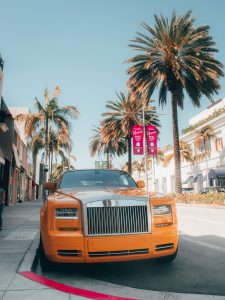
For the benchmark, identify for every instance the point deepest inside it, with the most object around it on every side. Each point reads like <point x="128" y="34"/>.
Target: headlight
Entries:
<point x="66" y="213"/>
<point x="161" y="210"/>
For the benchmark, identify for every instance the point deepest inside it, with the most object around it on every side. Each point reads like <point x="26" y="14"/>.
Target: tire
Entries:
<point x="168" y="259"/>
<point x="45" y="263"/>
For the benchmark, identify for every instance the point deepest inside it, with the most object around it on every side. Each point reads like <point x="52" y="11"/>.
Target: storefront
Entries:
<point x="217" y="177"/>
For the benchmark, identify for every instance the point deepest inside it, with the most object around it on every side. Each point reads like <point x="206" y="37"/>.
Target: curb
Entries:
<point x="29" y="260"/>
<point x="80" y="292"/>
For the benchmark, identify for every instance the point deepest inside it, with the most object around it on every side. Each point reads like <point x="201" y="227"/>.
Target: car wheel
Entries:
<point x="45" y="263"/>
<point x="167" y="259"/>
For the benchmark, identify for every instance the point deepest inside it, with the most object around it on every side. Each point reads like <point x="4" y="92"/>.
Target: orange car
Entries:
<point x="105" y="216"/>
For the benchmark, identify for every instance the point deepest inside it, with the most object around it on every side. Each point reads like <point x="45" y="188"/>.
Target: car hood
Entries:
<point x="100" y="194"/>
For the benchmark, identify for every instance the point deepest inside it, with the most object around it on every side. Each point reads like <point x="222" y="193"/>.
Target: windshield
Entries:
<point x="94" y="178"/>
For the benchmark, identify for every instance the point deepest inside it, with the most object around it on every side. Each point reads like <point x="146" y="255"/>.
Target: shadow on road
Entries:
<point x="199" y="268"/>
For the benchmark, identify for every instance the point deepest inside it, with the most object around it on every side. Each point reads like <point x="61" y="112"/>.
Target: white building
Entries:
<point x="194" y="175"/>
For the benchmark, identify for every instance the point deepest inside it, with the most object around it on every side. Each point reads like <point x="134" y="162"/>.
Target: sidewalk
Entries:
<point x="18" y="243"/>
<point x="19" y="240"/>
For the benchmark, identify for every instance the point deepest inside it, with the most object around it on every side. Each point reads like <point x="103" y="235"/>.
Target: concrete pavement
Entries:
<point x="18" y="243"/>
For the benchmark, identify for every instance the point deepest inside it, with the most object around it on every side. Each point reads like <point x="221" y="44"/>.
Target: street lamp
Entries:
<point x="145" y="146"/>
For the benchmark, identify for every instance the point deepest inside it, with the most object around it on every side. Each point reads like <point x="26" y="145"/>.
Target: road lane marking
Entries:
<point x="200" y="243"/>
<point x="70" y="289"/>
<point x="200" y="219"/>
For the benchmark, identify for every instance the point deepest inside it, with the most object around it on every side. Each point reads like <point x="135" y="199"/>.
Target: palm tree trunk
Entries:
<point x="129" y="155"/>
<point x="34" y="174"/>
<point x="46" y="142"/>
<point x="46" y="157"/>
<point x="108" y="159"/>
<point x="51" y="164"/>
<point x="176" y="144"/>
<point x="206" y="162"/>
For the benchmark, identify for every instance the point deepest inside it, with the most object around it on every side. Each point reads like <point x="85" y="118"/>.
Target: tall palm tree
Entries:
<point x="186" y="154"/>
<point x="110" y="147"/>
<point x="123" y="113"/>
<point x="55" y="116"/>
<point x="204" y="135"/>
<point x="58" y="142"/>
<point x="178" y="57"/>
<point x="48" y="115"/>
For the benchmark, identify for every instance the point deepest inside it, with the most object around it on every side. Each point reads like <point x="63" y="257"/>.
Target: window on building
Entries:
<point x="218" y="143"/>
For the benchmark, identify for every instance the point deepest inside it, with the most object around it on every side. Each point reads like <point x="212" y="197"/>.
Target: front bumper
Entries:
<point x="69" y="247"/>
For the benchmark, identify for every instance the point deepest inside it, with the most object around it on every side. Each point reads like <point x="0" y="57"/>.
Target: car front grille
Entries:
<point x="117" y="220"/>
<point x="119" y="253"/>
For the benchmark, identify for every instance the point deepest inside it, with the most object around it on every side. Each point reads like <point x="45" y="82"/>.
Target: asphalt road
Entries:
<point x="199" y="267"/>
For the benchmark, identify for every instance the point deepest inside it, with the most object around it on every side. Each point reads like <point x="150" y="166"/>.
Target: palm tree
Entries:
<point x="59" y="142"/>
<point x="112" y="147"/>
<point x="139" y="166"/>
<point x="186" y="154"/>
<point x="48" y="115"/>
<point x="65" y="165"/>
<point x="204" y="135"/>
<point x="177" y="56"/>
<point x="123" y="113"/>
<point x="35" y="144"/>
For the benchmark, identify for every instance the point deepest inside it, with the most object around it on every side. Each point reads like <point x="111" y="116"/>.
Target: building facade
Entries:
<point x="208" y="165"/>
<point x="16" y="165"/>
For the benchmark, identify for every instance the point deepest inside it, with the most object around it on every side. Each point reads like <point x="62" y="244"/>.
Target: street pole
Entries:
<point x="144" y="138"/>
<point x="153" y="165"/>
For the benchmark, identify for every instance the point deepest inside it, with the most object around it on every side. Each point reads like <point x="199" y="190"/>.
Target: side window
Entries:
<point x="123" y="180"/>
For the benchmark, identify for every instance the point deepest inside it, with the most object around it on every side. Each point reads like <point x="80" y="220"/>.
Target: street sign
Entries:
<point x="151" y="140"/>
<point x="137" y="136"/>
<point x="101" y="165"/>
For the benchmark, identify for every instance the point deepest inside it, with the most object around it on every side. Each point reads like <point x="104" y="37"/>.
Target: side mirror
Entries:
<point x="50" y="186"/>
<point x="140" y="184"/>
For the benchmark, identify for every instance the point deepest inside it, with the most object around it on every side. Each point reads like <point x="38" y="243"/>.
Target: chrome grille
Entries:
<point x="117" y="220"/>
<point x="119" y="253"/>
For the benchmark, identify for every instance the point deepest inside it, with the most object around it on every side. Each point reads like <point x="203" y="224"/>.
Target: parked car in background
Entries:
<point x="104" y="216"/>
<point x="213" y="189"/>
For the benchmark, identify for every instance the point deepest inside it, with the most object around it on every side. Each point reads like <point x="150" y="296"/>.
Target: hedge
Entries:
<point x="210" y="199"/>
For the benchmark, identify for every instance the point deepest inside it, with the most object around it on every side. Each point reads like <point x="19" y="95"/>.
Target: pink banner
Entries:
<point x="137" y="135"/>
<point x="151" y="140"/>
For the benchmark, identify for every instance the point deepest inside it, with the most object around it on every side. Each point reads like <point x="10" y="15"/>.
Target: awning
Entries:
<point x="190" y="179"/>
<point x="16" y="156"/>
<point x="218" y="173"/>
<point x="2" y="160"/>
<point x="198" y="177"/>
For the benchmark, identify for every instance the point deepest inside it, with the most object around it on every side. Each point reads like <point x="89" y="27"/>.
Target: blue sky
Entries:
<point x="82" y="45"/>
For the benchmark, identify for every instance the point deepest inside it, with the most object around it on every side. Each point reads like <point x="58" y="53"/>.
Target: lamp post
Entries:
<point x="145" y="148"/>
